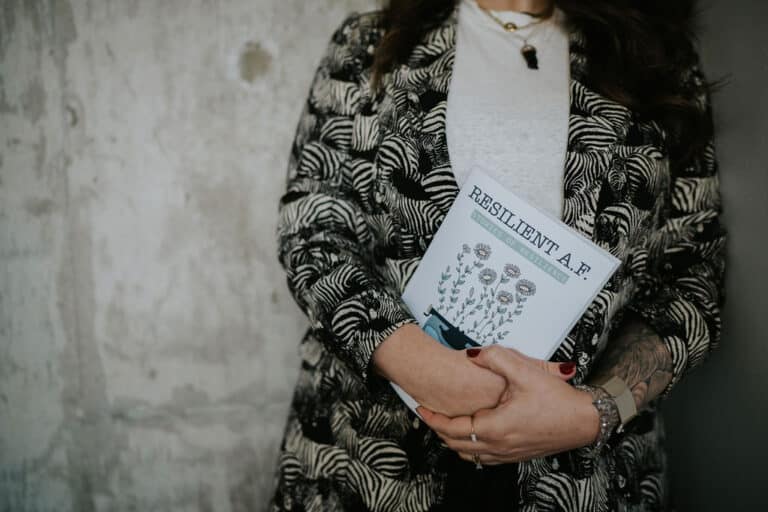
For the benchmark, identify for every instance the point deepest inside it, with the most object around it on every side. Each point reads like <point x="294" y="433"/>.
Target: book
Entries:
<point x="501" y="271"/>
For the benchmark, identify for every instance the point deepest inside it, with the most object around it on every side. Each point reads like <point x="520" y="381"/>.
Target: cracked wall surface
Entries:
<point x="148" y="344"/>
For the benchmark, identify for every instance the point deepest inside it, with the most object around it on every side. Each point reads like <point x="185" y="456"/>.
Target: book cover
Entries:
<point x="501" y="271"/>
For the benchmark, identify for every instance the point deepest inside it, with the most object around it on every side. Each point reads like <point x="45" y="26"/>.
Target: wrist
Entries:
<point x="393" y="357"/>
<point x="485" y="388"/>
<point x="590" y="418"/>
<point x="449" y="383"/>
<point x="414" y="361"/>
<point x="437" y="377"/>
<point x="614" y="388"/>
<point x="608" y="416"/>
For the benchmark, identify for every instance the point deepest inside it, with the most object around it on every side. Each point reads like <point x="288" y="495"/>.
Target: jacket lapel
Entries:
<point x="414" y="107"/>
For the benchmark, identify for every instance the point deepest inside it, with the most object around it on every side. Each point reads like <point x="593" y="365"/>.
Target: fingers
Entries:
<point x="454" y="428"/>
<point x="469" y="446"/>
<point x="490" y="459"/>
<point x="563" y="371"/>
<point x="456" y="432"/>
<point x="485" y="459"/>
<point x="506" y="361"/>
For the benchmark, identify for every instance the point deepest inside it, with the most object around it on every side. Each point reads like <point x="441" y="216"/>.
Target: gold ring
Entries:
<point x="472" y="434"/>
<point x="476" y="460"/>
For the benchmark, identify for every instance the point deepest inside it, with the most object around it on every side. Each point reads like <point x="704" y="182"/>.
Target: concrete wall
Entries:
<point x="147" y="342"/>
<point x="148" y="346"/>
<point x="718" y="417"/>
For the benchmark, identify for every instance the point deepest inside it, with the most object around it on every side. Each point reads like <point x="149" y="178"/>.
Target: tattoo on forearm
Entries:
<point x="640" y="358"/>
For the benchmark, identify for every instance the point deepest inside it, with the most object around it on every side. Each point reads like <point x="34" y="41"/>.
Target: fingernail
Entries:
<point x="473" y="352"/>
<point x="566" y="368"/>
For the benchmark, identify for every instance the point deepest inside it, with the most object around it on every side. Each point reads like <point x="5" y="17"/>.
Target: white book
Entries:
<point x="501" y="271"/>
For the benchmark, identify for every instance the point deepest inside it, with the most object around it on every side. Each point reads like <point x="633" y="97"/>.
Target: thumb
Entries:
<point x="513" y="364"/>
<point x="501" y="360"/>
<point x="563" y="371"/>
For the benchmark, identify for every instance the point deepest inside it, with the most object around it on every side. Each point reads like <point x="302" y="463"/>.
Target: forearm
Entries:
<point x="639" y="357"/>
<point x="436" y="376"/>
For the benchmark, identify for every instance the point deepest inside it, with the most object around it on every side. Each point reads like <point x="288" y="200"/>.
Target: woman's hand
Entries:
<point x="440" y="378"/>
<point x="436" y="376"/>
<point x="538" y="414"/>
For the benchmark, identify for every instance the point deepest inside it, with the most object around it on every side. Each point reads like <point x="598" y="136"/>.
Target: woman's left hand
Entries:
<point x="538" y="415"/>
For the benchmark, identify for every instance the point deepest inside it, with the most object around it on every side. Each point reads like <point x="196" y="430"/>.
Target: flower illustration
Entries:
<point x="487" y="276"/>
<point x="525" y="288"/>
<point x="512" y="271"/>
<point x="482" y="313"/>
<point x="483" y="252"/>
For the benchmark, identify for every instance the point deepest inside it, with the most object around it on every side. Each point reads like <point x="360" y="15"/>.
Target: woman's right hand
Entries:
<point x="440" y="378"/>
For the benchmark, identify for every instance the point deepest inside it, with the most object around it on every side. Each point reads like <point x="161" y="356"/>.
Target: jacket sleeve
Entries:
<point x="681" y="269"/>
<point x="325" y="229"/>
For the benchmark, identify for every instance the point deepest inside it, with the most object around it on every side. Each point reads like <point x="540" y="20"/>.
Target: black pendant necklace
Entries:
<point x="528" y="51"/>
<point x="529" y="54"/>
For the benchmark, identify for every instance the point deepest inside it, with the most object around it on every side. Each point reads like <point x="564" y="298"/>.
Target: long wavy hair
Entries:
<point x="635" y="52"/>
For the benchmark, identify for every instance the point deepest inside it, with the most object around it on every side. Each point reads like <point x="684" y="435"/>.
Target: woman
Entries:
<point x="598" y="112"/>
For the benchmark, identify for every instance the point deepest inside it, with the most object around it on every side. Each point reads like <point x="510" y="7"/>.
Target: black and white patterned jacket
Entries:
<point x="369" y="182"/>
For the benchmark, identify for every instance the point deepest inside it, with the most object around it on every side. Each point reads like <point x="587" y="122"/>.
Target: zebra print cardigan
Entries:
<point x="369" y="182"/>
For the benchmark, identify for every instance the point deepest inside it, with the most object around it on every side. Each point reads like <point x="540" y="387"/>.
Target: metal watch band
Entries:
<point x="608" y="414"/>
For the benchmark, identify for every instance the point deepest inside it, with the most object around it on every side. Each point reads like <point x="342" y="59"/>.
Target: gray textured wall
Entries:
<point x="148" y="346"/>
<point x="718" y="417"/>
<point x="147" y="342"/>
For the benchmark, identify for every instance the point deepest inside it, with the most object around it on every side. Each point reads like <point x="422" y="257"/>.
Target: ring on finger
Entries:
<point x="476" y="460"/>
<point x="472" y="434"/>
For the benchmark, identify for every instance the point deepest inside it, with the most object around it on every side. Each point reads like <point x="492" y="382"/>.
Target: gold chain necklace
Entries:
<point x="528" y="51"/>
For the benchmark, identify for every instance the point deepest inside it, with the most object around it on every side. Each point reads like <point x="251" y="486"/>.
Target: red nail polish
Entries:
<point x="566" y="368"/>
<point x="473" y="352"/>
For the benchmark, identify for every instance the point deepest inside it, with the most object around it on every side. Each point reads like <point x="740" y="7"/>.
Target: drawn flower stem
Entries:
<point x="471" y="312"/>
<point x="461" y="275"/>
<point x="469" y="300"/>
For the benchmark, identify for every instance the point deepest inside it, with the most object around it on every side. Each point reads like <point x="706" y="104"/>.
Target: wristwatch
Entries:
<point x="615" y="407"/>
<point x="618" y="390"/>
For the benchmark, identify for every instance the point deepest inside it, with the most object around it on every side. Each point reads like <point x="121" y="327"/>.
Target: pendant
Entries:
<point x="529" y="54"/>
<point x="510" y="26"/>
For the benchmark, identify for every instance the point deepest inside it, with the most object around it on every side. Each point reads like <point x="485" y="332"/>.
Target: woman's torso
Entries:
<point x="511" y="122"/>
<point x="345" y="447"/>
<point x="503" y="117"/>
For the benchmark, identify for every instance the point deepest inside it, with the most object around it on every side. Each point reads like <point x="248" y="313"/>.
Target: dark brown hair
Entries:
<point x="635" y="49"/>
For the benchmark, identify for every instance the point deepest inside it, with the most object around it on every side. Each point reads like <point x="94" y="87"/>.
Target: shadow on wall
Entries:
<point x="718" y="416"/>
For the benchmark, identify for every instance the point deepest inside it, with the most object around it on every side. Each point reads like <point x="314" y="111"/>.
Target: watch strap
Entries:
<point x="621" y="394"/>
<point x="608" y="416"/>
